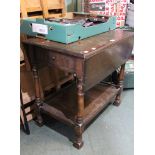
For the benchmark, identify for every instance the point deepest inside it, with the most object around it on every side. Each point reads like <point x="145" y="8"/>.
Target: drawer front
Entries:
<point x="61" y="61"/>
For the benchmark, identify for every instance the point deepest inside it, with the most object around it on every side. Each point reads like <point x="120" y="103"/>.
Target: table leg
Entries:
<point x="38" y="101"/>
<point x="117" y="101"/>
<point x="78" y="143"/>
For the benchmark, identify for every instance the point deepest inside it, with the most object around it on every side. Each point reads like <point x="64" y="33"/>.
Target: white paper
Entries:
<point x="39" y="28"/>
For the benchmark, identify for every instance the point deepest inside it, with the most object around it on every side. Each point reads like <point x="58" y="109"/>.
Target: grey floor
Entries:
<point x="110" y="134"/>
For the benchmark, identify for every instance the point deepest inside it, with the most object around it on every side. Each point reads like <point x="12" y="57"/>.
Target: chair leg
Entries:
<point x="25" y="125"/>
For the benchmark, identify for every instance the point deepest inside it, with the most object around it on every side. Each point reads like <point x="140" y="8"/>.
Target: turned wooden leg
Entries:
<point x="78" y="143"/>
<point x="38" y="101"/>
<point x="117" y="101"/>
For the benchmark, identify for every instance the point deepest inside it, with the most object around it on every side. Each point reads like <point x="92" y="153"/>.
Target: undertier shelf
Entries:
<point x="63" y="106"/>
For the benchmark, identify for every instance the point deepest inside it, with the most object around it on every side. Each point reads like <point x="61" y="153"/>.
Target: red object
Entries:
<point x="107" y="13"/>
<point x="118" y="18"/>
<point x="118" y="23"/>
<point x="122" y="18"/>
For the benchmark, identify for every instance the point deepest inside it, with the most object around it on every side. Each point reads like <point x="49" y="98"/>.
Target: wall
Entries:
<point x="70" y="5"/>
<point x="74" y="5"/>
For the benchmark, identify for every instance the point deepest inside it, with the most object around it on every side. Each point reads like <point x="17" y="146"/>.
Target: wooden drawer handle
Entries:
<point x="53" y="58"/>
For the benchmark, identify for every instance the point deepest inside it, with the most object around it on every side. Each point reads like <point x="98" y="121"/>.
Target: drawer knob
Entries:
<point x="53" y="58"/>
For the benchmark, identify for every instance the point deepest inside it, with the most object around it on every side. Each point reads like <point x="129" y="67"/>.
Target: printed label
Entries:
<point x="39" y="28"/>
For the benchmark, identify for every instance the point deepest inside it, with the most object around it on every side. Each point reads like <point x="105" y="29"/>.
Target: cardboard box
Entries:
<point x="21" y="55"/>
<point x="112" y="8"/>
<point x="27" y="85"/>
<point x="30" y="115"/>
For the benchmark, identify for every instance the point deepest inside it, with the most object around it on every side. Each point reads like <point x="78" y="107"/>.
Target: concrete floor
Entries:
<point x="112" y="133"/>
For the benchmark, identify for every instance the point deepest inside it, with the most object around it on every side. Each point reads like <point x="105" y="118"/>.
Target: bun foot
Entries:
<point x="39" y="123"/>
<point x="117" y="102"/>
<point x="78" y="145"/>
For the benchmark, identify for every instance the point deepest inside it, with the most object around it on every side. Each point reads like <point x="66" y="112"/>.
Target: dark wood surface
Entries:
<point x="90" y="61"/>
<point x="64" y="103"/>
<point x="91" y="44"/>
<point x="110" y="54"/>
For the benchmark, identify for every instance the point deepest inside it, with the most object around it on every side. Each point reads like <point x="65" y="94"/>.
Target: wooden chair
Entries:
<point x="23" y="120"/>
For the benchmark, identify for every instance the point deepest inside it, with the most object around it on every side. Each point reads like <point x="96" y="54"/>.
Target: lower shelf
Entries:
<point x="63" y="106"/>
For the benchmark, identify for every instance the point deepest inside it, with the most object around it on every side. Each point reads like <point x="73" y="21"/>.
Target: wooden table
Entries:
<point x="90" y="61"/>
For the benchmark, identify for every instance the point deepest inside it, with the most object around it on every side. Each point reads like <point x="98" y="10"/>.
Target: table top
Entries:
<point x="83" y="48"/>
